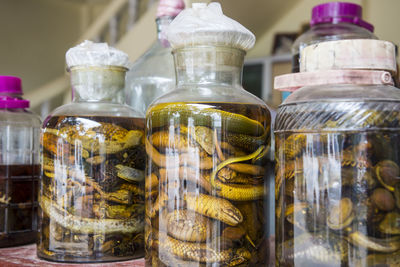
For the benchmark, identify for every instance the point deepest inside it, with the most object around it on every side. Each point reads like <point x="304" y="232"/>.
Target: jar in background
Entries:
<point x="93" y="161"/>
<point x="153" y="74"/>
<point x="19" y="165"/>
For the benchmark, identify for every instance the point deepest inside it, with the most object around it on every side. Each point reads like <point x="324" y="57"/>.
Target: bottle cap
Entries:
<point x="11" y="85"/>
<point x="336" y="12"/>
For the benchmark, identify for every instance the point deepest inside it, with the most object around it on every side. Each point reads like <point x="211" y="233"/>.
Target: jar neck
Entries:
<point x="98" y="84"/>
<point x="211" y="65"/>
<point x="162" y="23"/>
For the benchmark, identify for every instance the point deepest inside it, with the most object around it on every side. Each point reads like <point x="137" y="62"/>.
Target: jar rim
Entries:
<point x="97" y="67"/>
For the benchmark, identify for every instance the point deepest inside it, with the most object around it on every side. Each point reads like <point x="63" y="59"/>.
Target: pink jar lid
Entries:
<point x="11" y="85"/>
<point x="170" y="8"/>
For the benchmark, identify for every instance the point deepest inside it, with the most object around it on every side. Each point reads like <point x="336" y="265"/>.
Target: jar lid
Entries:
<point x="206" y="25"/>
<point x="359" y="54"/>
<point x="336" y="12"/>
<point x="293" y="81"/>
<point x="11" y="85"/>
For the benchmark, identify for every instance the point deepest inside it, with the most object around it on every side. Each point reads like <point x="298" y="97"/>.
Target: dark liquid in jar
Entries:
<point x="338" y="199"/>
<point x="92" y="189"/>
<point x="201" y="212"/>
<point x="18" y="204"/>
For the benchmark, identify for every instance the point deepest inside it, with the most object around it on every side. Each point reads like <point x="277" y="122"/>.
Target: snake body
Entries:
<point x="188" y="226"/>
<point x="200" y="252"/>
<point x="214" y="207"/>
<point x="203" y="116"/>
<point x="87" y="225"/>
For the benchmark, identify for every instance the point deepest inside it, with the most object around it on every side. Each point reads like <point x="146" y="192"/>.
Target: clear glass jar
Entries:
<point x="208" y="144"/>
<point x="92" y="184"/>
<point x="337" y="177"/>
<point x="19" y="165"/>
<point x="152" y="75"/>
<point x="327" y="32"/>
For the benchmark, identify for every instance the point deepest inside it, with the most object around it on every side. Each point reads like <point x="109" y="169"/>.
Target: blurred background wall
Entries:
<point x="36" y="34"/>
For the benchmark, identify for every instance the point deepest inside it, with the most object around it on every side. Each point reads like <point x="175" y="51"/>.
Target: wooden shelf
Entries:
<point x="26" y="256"/>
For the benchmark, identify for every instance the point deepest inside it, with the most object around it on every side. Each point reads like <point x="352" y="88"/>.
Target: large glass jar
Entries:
<point x="332" y="21"/>
<point x="19" y="165"/>
<point x="338" y="176"/>
<point x="92" y="184"/>
<point x="208" y="144"/>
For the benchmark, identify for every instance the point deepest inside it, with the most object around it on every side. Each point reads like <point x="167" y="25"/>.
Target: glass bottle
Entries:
<point x="332" y="21"/>
<point x="337" y="175"/>
<point x="153" y="75"/>
<point x="19" y="165"/>
<point x="203" y="210"/>
<point x="93" y="161"/>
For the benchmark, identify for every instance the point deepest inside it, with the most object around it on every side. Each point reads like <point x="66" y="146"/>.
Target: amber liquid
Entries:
<point x="187" y="145"/>
<point x="81" y="180"/>
<point x="338" y="199"/>
<point x="18" y="204"/>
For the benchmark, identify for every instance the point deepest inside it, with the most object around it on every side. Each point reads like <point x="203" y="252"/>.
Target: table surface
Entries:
<point x="26" y="256"/>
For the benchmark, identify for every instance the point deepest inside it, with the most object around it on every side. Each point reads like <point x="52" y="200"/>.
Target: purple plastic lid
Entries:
<point x="336" y="12"/>
<point x="10" y="85"/>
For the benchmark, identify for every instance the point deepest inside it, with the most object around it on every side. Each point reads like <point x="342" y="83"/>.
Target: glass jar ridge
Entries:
<point x="97" y="83"/>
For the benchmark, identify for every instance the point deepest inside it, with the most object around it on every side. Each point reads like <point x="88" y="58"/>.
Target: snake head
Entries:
<point x="232" y="215"/>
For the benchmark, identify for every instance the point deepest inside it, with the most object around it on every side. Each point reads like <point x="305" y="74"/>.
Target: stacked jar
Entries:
<point x="93" y="161"/>
<point x="330" y="22"/>
<point x="338" y="158"/>
<point x="208" y="144"/>
<point x="19" y="165"/>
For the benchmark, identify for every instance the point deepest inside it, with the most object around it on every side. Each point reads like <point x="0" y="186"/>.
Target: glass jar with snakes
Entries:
<point x="92" y="183"/>
<point x="208" y="146"/>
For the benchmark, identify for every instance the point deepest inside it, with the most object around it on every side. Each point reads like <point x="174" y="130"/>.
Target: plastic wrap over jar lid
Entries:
<point x="89" y="53"/>
<point x="206" y="25"/>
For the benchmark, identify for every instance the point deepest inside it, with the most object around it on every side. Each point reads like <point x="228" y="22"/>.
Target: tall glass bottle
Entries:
<point x="19" y="165"/>
<point x="153" y="75"/>
<point x="93" y="161"/>
<point x="207" y="143"/>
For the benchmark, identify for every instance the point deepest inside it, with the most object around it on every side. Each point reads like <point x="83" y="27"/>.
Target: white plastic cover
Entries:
<point x="206" y="25"/>
<point x="89" y="53"/>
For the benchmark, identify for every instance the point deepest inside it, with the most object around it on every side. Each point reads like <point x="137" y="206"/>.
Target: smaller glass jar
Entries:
<point x="19" y="165"/>
<point x="332" y="21"/>
<point x="93" y="160"/>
